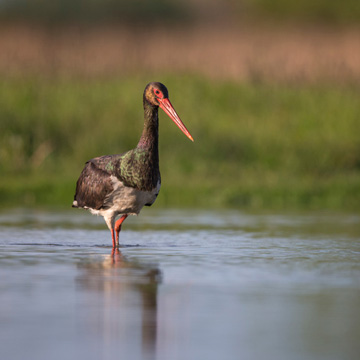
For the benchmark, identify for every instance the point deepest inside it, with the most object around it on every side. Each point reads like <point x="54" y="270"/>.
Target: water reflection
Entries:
<point x="266" y="287"/>
<point x="124" y="311"/>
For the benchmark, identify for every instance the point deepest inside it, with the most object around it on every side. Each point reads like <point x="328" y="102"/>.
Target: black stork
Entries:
<point x="120" y="185"/>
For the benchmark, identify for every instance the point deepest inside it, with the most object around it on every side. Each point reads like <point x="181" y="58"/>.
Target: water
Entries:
<point x="184" y="285"/>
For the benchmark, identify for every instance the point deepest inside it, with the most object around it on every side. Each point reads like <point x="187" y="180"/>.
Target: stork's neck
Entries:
<point x="149" y="139"/>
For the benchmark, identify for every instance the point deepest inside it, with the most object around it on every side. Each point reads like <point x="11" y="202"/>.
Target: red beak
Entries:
<point x="165" y="104"/>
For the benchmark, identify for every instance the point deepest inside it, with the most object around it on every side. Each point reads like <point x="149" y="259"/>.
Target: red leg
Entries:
<point x="118" y="228"/>
<point x="113" y="237"/>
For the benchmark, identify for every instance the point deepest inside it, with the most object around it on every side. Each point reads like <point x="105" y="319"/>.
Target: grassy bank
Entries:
<point x="256" y="145"/>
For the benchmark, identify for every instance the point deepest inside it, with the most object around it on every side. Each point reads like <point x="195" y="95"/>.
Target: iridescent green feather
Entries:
<point x="132" y="168"/>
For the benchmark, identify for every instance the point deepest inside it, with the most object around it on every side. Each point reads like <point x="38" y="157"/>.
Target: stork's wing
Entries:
<point x="93" y="185"/>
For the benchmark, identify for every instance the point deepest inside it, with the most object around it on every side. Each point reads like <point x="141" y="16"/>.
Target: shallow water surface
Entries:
<point x="183" y="285"/>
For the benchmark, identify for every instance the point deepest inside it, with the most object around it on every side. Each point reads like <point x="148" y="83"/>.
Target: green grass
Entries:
<point x="256" y="146"/>
<point x="176" y="11"/>
<point x="316" y="11"/>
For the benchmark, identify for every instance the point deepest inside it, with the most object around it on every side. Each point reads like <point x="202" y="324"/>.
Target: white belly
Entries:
<point x="126" y="200"/>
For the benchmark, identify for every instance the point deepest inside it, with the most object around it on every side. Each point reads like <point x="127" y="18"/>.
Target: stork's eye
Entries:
<point x="158" y="93"/>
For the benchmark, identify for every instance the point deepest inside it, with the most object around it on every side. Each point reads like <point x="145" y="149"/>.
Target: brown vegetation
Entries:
<point x="241" y="53"/>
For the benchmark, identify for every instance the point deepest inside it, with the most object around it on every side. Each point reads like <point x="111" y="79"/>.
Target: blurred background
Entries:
<point x="269" y="89"/>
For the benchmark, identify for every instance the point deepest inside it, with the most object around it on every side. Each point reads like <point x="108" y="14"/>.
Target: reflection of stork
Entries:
<point x="120" y="185"/>
<point x="125" y="292"/>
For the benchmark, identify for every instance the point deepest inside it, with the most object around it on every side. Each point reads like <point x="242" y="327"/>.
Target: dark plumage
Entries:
<point x="92" y="187"/>
<point x="122" y="184"/>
